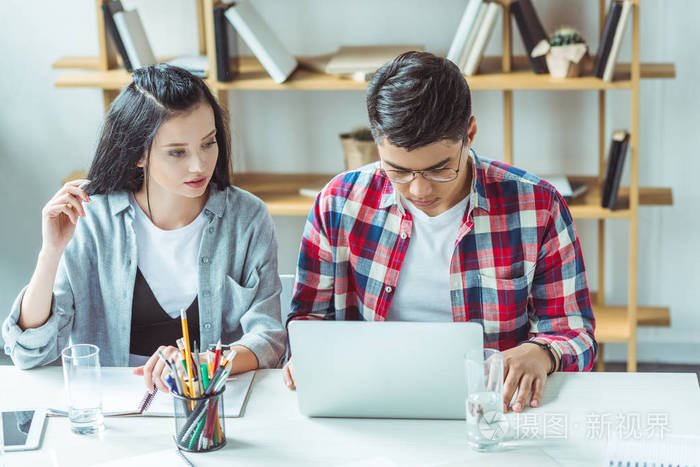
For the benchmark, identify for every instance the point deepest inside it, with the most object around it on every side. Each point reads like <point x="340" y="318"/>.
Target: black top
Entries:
<point x="151" y="326"/>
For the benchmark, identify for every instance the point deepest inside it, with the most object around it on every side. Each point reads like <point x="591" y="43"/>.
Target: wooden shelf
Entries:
<point x="612" y="324"/>
<point x="280" y="191"/>
<point x="587" y="206"/>
<point x="253" y="77"/>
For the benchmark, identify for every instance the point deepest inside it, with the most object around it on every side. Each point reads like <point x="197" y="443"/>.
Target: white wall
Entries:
<point x="45" y="132"/>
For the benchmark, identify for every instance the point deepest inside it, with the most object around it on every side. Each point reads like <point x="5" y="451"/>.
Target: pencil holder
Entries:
<point x="199" y="422"/>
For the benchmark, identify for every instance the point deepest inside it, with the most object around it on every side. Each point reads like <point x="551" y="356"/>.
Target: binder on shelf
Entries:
<point x="617" y="40"/>
<point x="134" y="37"/>
<point x="568" y="189"/>
<point x="226" y="42"/>
<point x="607" y="36"/>
<point x="613" y="173"/>
<point x="263" y="42"/>
<point x="109" y="8"/>
<point x="466" y="31"/>
<point x="531" y="31"/>
<point x="484" y="33"/>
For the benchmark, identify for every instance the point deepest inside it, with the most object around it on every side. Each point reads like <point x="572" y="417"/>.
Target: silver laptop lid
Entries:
<point x="382" y="369"/>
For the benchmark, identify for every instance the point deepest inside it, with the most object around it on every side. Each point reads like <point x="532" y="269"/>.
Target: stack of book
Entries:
<point x="613" y="173"/>
<point x="611" y="38"/>
<point x="361" y="62"/>
<point x="476" y="26"/>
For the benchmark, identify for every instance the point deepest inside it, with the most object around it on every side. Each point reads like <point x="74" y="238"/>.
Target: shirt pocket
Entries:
<point x="239" y="298"/>
<point x="504" y="304"/>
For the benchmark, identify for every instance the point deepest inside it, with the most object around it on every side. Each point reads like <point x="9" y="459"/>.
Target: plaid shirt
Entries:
<point x="517" y="267"/>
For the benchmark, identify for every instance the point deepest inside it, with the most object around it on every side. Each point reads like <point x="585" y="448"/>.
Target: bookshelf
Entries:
<point x="507" y="74"/>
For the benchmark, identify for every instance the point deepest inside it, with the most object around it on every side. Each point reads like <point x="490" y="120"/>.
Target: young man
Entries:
<point x="433" y="232"/>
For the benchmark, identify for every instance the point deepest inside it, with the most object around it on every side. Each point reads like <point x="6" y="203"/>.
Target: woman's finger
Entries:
<point x="160" y="371"/>
<point x="78" y="193"/>
<point x="59" y="209"/>
<point x="70" y="202"/>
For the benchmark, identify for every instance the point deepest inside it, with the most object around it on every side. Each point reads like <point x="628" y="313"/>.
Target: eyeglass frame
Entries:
<point x="414" y="173"/>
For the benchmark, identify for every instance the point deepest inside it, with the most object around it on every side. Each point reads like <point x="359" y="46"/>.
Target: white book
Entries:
<point x="480" y="14"/>
<point x="617" y="40"/>
<point x="482" y="38"/>
<point x="466" y="25"/>
<point x="264" y="43"/>
<point x="365" y="58"/>
<point x="134" y="37"/>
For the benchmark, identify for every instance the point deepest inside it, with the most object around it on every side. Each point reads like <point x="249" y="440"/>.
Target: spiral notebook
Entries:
<point x="672" y="450"/>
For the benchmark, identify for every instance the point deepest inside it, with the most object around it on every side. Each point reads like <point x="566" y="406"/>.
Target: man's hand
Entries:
<point x="288" y="375"/>
<point x="525" y="368"/>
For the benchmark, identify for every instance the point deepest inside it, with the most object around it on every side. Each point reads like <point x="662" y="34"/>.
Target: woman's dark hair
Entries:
<point x="418" y="99"/>
<point x="156" y="94"/>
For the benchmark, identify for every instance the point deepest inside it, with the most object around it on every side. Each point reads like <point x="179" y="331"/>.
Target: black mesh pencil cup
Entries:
<point x="199" y="422"/>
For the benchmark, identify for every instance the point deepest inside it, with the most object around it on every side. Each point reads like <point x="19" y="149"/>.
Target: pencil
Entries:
<point x="186" y="337"/>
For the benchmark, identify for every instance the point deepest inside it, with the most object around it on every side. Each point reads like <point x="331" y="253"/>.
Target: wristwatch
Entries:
<point x="550" y="352"/>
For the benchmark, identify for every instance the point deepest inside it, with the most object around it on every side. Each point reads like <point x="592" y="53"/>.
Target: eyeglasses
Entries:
<point x="442" y="175"/>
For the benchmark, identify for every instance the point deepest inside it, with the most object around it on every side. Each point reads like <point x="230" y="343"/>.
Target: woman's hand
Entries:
<point x="60" y="216"/>
<point x="155" y="371"/>
<point x="288" y="375"/>
<point x="525" y="368"/>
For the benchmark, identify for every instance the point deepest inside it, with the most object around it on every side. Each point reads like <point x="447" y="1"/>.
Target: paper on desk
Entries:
<point x="163" y="457"/>
<point x="122" y="393"/>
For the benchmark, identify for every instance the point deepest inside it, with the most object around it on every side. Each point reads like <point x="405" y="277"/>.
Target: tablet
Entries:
<point x="22" y="430"/>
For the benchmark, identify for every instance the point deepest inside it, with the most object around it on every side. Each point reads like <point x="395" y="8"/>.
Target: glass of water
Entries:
<point x="81" y="374"/>
<point x="486" y="424"/>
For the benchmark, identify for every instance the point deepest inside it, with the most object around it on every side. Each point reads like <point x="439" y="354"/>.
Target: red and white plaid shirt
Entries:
<point x="516" y="269"/>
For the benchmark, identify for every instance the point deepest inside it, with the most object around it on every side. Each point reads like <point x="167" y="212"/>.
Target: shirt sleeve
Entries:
<point x="314" y="287"/>
<point x="42" y="345"/>
<point x="263" y="332"/>
<point x="561" y="312"/>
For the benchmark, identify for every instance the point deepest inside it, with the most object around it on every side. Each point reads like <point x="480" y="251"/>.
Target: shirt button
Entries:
<point x="205" y="259"/>
<point x="205" y="293"/>
<point x="128" y="262"/>
<point x="211" y="229"/>
<point x="207" y="325"/>
<point x="388" y="289"/>
<point x="403" y="235"/>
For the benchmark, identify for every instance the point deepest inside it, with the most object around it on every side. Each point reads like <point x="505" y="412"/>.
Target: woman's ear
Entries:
<point x="141" y="162"/>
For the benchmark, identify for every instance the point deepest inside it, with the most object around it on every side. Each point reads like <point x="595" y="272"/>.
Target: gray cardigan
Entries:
<point x="238" y="292"/>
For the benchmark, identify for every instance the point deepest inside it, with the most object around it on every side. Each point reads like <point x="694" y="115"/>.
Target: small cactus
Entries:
<point x="565" y="36"/>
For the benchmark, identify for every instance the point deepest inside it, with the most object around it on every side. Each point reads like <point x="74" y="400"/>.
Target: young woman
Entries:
<point x="155" y="229"/>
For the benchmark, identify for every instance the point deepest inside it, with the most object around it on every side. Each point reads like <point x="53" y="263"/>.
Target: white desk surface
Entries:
<point x="273" y="432"/>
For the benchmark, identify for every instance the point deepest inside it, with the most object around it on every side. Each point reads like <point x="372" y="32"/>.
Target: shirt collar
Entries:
<point x="477" y="194"/>
<point x="216" y="204"/>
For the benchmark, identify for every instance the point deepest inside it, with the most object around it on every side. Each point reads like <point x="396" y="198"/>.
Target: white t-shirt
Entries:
<point x="423" y="289"/>
<point x="168" y="259"/>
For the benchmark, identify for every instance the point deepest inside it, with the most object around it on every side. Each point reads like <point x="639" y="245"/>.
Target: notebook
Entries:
<point x="123" y="394"/>
<point x="365" y="59"/>
<point x="671" y="450"/>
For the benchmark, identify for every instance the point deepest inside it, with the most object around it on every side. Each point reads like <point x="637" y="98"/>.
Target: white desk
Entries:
<point x="273" y="432"/>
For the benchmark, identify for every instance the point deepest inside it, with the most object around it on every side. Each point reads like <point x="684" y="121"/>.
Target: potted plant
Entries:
<point x="358" y="148"/>
<point x="564" y="52"/>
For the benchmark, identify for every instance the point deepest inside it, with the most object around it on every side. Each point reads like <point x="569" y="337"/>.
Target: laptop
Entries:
<point x="382" y="369"/>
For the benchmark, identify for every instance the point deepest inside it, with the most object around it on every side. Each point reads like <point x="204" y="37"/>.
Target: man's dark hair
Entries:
<point x="156" y="94"/>
<point x="418" y="99"/>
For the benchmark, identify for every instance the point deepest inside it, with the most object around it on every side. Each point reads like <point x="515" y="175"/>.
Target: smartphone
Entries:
<point x="22" y="429"/>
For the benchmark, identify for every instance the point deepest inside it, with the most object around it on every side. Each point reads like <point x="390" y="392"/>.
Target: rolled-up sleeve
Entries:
<point x="561" y="313"/>
<point x="42" y="345"/>
<point x="263" y="332"/>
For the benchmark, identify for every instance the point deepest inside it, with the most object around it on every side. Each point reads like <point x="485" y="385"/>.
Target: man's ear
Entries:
<point x="471" y="129"/>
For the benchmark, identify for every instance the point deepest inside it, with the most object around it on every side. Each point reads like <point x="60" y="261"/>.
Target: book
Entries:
<point x="606" y="38"/>
<point x="668" y="450"/>
<point x="365" y="59"/>
<point x="617" y="40"/>
<point x="481" y="13"/>
<point x="531" y="31"/>
<point x="567" y="188"/>
<point x="134" y="37"/>
<point x="198" y="65"/>
<point x="481" y="39"/>
<point x="262" y="40"/>
<point x="613" y="167"/>
<point x="226" y="42"/>
<point x="109" y="7"/>
<point x="465" y="30"/>
<point x="617" y="174"/>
